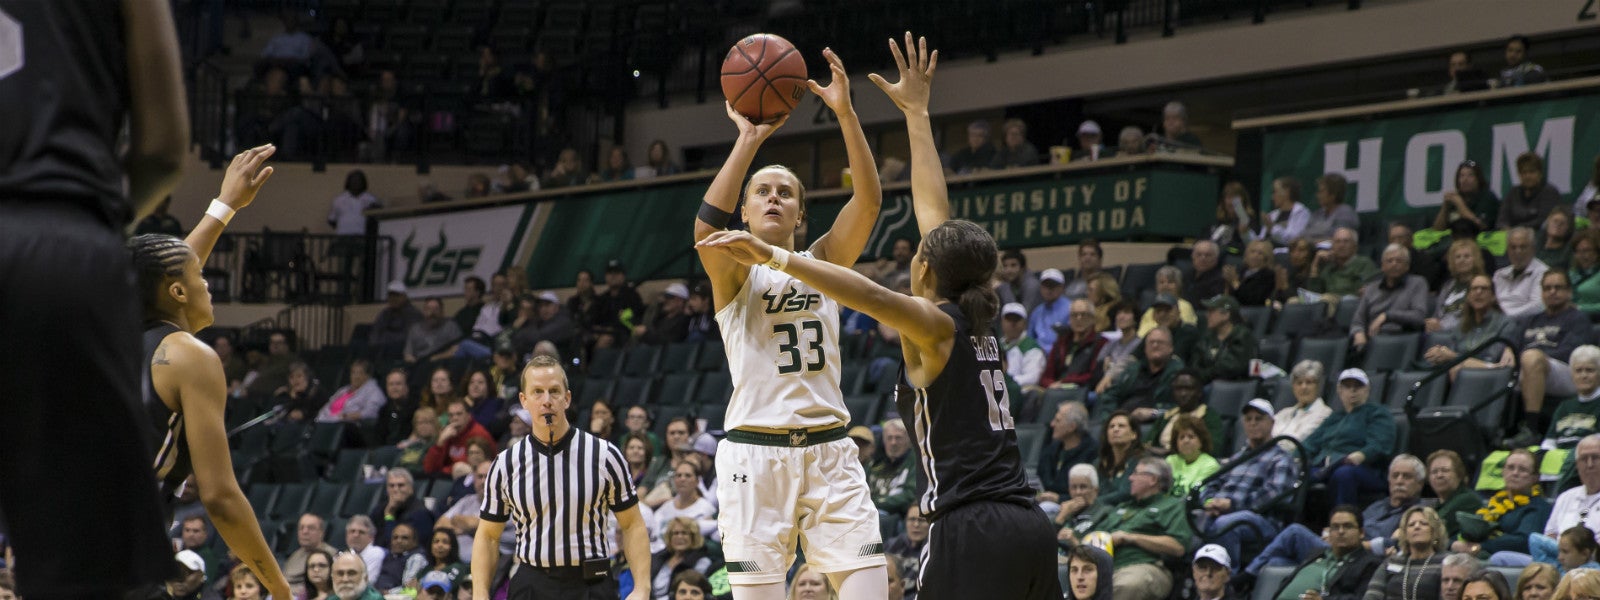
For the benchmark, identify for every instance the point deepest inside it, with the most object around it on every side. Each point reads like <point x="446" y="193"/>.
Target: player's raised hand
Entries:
<point x="837" y="94"/>
<point x="916" y="75"/>
<point x="754" y="131"/>
<point x="245" y="176"/>
<point x="739" y="246"/>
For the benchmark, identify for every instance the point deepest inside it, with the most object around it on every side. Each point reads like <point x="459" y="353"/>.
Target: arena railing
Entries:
<point x="298" y="268"/>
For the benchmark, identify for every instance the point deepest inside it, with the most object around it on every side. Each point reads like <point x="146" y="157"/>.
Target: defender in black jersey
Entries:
<point x="73" y="471"/>
<point x="987" y="540"/>
<point x="185" y="391"/>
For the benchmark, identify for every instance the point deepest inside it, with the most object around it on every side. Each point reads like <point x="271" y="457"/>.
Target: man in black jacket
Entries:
<point x="1339" y="573"/>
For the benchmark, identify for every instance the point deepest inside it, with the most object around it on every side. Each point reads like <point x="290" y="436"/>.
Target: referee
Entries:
<point x="558" y="494"/>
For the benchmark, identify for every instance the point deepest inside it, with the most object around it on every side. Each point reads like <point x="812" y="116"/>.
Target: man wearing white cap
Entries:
<point x="1232" y="500"/>
<point x="1052" y="312"/>
<point x="1212" y="569"/>
<point x="550" y="323"/>
<point x="1089" y="146"/>
<point x="395" y="320"/>
<point x="668" y="321"/>
<point x="1351" y="448"/>
<point x="190" y="578"/>
<point x="1024" y="357"/>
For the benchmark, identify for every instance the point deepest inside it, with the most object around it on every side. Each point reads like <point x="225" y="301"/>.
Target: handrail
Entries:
<point x="1516" y="367"/>
<point x="1392" y="106"/>
<point x="1192" y="499"/>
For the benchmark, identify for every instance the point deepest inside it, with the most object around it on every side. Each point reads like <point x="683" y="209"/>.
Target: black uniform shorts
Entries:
<point x="990" y="550"/>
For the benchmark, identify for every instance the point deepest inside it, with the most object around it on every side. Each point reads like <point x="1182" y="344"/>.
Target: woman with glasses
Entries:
<point x="1512" y="514"/>
<point x="1412" y="573"/>
<point x="1471" y="200"/>
<point x="687" y="502"/>
<point x="1447" y="475"/>
<point x="319" y="575"/>
<point x="685" y="550"/>
<point x="1464" y="260"/>
<point x="1481" y="321"/>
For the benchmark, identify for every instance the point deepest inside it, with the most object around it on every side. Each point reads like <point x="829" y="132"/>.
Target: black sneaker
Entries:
<point x="1524" y="438"/>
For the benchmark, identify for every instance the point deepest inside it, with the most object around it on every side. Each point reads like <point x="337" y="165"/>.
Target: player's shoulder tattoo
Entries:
<point x="160" y="356"/>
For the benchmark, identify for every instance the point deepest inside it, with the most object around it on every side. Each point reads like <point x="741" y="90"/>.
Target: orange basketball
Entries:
<point x="763" y="77"/>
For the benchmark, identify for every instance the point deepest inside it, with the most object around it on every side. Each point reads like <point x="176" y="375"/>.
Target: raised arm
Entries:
<point x="158" y="118"/>
<point x="915" y="318"/>
<point x="843" y="243"/>
<point x="928" y="193"/>
<point x="240" y="183"/>
<point x="723" y="197"/>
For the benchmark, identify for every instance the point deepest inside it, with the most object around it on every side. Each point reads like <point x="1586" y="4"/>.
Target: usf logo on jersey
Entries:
<point x="791" y="300"/>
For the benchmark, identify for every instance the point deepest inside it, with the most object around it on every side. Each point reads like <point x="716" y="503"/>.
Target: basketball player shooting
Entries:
<point x="788" y="471"/>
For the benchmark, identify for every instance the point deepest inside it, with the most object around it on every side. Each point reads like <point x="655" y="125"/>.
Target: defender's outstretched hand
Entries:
<point x="916" y="75"/>
<point x="837" y="94"/>
<point x="738" y="245"/>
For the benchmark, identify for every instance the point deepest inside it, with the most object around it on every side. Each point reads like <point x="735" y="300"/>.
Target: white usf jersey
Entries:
<point x="782" y="340"/>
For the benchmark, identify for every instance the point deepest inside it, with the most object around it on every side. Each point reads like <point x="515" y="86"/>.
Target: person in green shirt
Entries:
<point x="1191" y="459"/>
<point x="1339" y="573"/>
<point x="350" y="578"/>
<point x="1145" y="530"/>
<point x="1447" y="475"/>
<point x="1579" y="415"/>
<point x="1340" y="271"/>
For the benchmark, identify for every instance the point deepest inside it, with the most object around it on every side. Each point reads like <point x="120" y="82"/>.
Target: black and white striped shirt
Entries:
<point x="559" y="504"/>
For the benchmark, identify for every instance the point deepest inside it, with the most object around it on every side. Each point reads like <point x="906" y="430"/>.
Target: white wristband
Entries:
<point x="779" y="260"/>
<point x="220" y="211"/>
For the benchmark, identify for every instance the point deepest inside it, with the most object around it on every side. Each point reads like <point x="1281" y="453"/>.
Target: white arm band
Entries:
<point x="780" y="259"/>
<point x="220" y="211"/>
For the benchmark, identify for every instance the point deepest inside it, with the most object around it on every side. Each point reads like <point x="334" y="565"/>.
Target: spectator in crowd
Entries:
<point x="1297" y="274"/>
<point x="668" y="321"/>
<point x="811" y="584"/>
<point x="568" y="171"/>
<point x="161" y="221"/>
<point x="493" y="82"/>
<point x="496" y="312"/>
<point x="687" y="501"/>
<point x="441" y="390"/>
<point x="293" y="48"/>
<point x="898" y="264"/>
<point x="692" y="585"/>
<point x="1237" y="503"/>
<point x="478" y="186"/>
<point x="1104" y="292"/>
<point x="1175" y="129"/>
<point x="907" y="546"/>
<point x="1536" y="582"/>
<point x="444" y="557"/>
<point x="702" y="322"/>
<point x="1190" y="453"/>
<point x="1015" y="150"/>
<point x="1578" y="416"/>
<point x="1309" y="411"/>
<point x="584" y="304"/>
<point x="686" y="549"/>
<point x="1464" y="77"/>
<point x="1225" y="350"/>
<point x="1471" y="200"/>
<point x="1584" y="201"/>
<point x="1517" y="284"/>
<point x="1396" y="303"/>
<point x="431" y="337"/>
<point x="1465" y="263"/>
<point x="358" y="401"/>
<point x="414" y="448"/>
<point x="1288" y="218"/>
<point x="1513" y="513"/>
<point x="1573" y="508"/>
<point x="978" y="154"/>
<point x="1189" y="399"/>
<point x="1120" y="450"/>
<point x="401" y="505"/>
<point x="347" y="215"/>
<point x="1088" y="573"/>
<point x="1481" y="320"/>
<point x="1212" y="569"/>
<point x="350" y="580"/>
<point x="234" y="369"/>
<point x="405" y="561"/>
<point x="392" y="119"/>
<point x="1454" y="572"/>
<point x="270" y="373"/>
<point x="1585" y="265"/>
<point x="893" y="474"/>
<point x="1169" y="282"/>
<point x="1422" y="264"/>
<point x="463" y="515"/>
<point x="620" y="304"/>
<point x="1338" y="571"/>
<point x="1146" y="384"/>
<point x="472" y="290"/>
<point x="309" y="532"/>
<point x="451" y="447"/>
<point x="1450" y="481"/>
<point x="1519" y="70"/>
<point x="1256" y="285"/>
<point x="195" y="534"/>
<point x="658" y="159"/>
<point x="1130" y="142"/>
<point x="1350" y="447"/>
<point x="1555" y="244"/>
<point x="243" y="583"/>
<point x="1077" y="514"/>
<point x="1548" y="339"/>
<point x="1089" y="146"/>
<point x="302" y="397"/>
<point x="1237" y="219"/>
<point x="1072" y="359"/>
<point x="1207" y="281"/>
<point x="1146" y="529"/>
<point x="1532" y="199"/>
<point x="646" y="465"/>
<point x="1577" y="549"/>
<point x="394" y="322"/>
<point x="484" y="403"/>
<point x="187" y="582"/>
<point x="1340" y="271"/>
<point x="1025" y="360"/>
<point x="617" y="167"/>
<point x="1185" y="336"/>
<point x="1053" y="311"/>
<point x="1016" y="283"/>
<point x="541" y="319"/>
<point x="1381" y="522"/>
<point x="513" y="179"/>
<point x="358" y="539"/>
<point x="1332" y="213"/>
<point x="1070" y="445"/>
<point x="1090" y="255"/>
<point x="1121" y="343"/>
<point x="602" y="420"/>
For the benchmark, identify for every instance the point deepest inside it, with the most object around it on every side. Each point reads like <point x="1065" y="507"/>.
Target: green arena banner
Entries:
<point x="651" y="230"/>
<point x="1403" y="165"/>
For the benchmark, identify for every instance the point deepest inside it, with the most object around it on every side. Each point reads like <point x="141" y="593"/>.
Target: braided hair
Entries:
<point x="963" y="257"/>
<point x="156" y="258"/>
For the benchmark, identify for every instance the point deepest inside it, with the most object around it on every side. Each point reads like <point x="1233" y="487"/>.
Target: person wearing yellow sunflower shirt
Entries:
<point x="1511" y="514"/>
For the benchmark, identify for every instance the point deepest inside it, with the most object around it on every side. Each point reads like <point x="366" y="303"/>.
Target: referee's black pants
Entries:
<point x="534" y="584"/>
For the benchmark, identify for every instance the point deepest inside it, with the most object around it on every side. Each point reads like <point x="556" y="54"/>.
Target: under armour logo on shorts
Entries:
<point x="741" y="478"/>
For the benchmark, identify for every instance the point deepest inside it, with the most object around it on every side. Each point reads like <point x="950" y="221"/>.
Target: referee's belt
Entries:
<point x="795" y="438"/>
<point x="594" y="569"/>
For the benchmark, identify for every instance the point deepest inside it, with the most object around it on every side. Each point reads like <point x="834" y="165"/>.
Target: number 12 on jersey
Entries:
<point x="994" y="386"/>
<point x="809" y="333"/>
